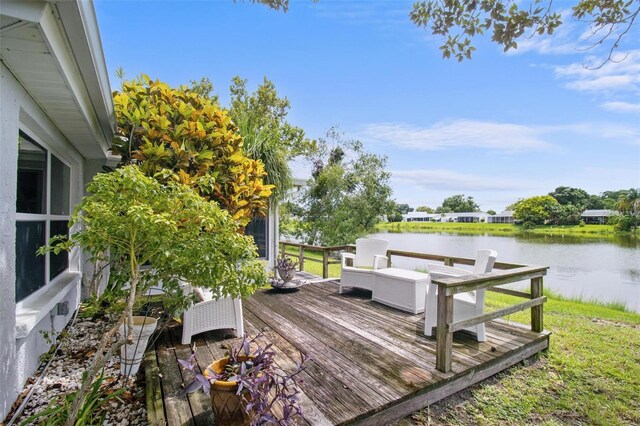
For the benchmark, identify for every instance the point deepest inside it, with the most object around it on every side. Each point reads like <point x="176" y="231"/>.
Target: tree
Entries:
<point x="629" y="205"/>
<point x="568" y="195"/>
<point x="492" y="212"/>
<point x="458" y="204"/>
<point x="425" y="209"/>
<point x="535" y="210"/>
<point x="396" y="211"/>
<point x="595" y="202"/>
<point x="347" y="194"/>
<point x="130" y="219"/>
<point x="177" y="134"/>
<point x="459" y="21"/>
<point x="567" y="214"/>
<point x="611" y="198"/>
<point x="204" y="88"/>
<point x="261" y="118"/>
<point x="405" y="208"/>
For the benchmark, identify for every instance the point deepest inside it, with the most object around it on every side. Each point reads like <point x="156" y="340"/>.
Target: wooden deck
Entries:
<point x="370" y="364"/>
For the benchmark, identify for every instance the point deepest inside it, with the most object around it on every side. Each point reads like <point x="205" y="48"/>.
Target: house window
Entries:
<point x="42" y="211"/>
<point x="258" y="228"/>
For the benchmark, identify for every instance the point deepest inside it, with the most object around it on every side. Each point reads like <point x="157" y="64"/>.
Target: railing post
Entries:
<point x="444" y="337"/>
<point x="537" y="323"/>
<point x="388" y="254"/>
<point x="325" y="263"/>
<point x="301" y="257"/>
<point x="448" y="261"/>
<point x="283" y="248"/>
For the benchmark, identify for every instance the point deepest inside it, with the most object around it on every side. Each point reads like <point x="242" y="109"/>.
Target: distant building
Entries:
<point x="421" y="217"/>
<point x="598" y="217"/>
<point x="504" y="217"/>
<point x="465" y="217"/>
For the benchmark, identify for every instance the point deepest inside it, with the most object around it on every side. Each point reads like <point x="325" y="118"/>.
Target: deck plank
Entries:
<point x="366" y="357"/>
<point x="312" y="414"/>
<point x="177" y="409"/>
<point x="326" y="355"/>
<point x="370" y="364"/>
<point x="199" y="402"/>
<point x="409" y="333"/>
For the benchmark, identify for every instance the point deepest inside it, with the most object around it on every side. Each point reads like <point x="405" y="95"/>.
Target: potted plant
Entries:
<point x="246" y="385"/>
<point x="286" y="268"/>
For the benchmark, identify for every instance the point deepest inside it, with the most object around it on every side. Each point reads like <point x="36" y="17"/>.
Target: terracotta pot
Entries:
<point x="226" y="404"/>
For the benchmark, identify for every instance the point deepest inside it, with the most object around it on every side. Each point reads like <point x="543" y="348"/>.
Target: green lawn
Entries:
<point x="315" y="267"/>
<point x="504" y="229"/>
<point x="590" y="375"/>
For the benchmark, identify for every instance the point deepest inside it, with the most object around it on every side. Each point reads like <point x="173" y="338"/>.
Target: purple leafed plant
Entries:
<point x="261" y="384"/>
<point x="286" y="263"/>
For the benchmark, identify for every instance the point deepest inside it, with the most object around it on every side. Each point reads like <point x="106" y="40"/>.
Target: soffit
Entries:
<point x="52" y="81"/>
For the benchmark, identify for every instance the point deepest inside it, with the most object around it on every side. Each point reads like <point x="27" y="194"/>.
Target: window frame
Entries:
<point x="267" y="236"/>
<point x="72" y="266"/>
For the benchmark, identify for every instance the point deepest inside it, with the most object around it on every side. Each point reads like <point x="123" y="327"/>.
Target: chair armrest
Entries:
<point x="377" y="258"/>
<point x="345" y="256"/>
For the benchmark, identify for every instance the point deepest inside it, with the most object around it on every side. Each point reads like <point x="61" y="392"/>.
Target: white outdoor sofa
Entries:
<point x="465" y="305"/>
<point x="357" y="269"/>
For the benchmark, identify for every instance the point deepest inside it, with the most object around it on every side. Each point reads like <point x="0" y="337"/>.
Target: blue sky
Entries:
<point x="499" y="127"/>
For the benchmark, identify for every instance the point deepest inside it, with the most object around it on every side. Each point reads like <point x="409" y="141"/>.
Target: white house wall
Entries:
<point x="20" y="356"/>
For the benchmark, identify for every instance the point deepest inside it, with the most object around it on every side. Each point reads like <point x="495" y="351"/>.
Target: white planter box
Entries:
<point x="400" y="288"/>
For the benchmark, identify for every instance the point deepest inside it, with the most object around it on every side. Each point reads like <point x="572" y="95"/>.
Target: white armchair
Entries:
<point x="357" y="269"/>
<point x="465" y="305"/>
<point x="211" y="314"/>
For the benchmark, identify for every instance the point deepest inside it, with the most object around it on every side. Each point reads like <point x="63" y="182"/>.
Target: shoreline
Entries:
<point x="507" y="229"/>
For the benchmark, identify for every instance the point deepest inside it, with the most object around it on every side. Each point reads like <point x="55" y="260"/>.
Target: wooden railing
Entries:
<point x="326" y="251"/>
<point x="449" y="287"/>
<point x="503" y="273"/>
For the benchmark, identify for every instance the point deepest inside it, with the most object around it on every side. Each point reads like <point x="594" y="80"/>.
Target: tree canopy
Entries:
<point x="347" y="194"/>
<point x="458" y="204"/>
<point x="177" y="134"/>
<point x="607" y="22"/>
<point x="425" y="209"/>
<point x="261" y="118"/>
<point x="535" y="210"/>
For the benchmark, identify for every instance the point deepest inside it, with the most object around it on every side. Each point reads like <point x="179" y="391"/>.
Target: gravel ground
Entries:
<point x="65" y="374"/>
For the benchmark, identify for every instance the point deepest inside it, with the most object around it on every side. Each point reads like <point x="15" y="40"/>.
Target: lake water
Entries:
<point x="605" y="270"/>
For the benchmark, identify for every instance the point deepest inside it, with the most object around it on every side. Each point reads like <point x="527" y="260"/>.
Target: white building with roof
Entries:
<point x="598" y="217"/>
<point x="57" y="123"/>
<point x="504" y="217"/>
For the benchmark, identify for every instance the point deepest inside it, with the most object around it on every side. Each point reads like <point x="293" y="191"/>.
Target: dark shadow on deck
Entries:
<point x="370" y="364"/>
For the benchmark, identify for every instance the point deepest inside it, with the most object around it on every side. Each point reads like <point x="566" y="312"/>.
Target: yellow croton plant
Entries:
<point x="177" y="134"/>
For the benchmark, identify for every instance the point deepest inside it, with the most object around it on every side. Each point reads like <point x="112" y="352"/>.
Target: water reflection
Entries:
<point x="627" y="241"/>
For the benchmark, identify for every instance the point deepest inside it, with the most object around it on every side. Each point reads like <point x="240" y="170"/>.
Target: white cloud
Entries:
<point x="600" y="130"/>
<point x="490" y="136"/>
<point x="619" y="106"/>
<point x="457" y="134"/>
<point x="621" y="77"/>
<point x="450" y="180"/>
